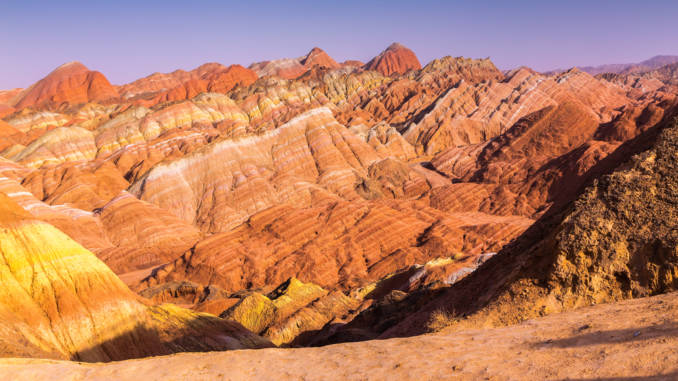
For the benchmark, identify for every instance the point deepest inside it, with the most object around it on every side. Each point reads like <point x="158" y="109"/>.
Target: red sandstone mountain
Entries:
<point x="221" y="80"/>
<point x="396" y="59"/>
<point x="70" y="83"/>
<point x="180" y="85"/>
<point x="313" y="202"/>
<point x="318" y="57"/>
<point x="164" y="81"/>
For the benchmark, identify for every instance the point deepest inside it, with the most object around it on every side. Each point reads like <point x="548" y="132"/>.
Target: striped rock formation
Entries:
<point x="125" y="232"/>
<point x="27" y="120"/>
<point x="379" y="184"/>
<point x="9" y="136"/>
<point x="341" y="245"/>
<point x="148" y="236"/>
<point x="221" y="80"/>
<point x="6" y="100"/>
<point x="542" y="160"/>
<point x="158" y="82"/>
<point x="312" y="157"/>
<point x="474" y="113"/>
<point x="318" y="57"/>
<point x="59" y="145"/>
<point x="615" y="241"/>
<point x="58" y="300"/>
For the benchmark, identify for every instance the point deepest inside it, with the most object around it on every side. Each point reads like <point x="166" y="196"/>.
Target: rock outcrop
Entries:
<point x="290" y="310"/>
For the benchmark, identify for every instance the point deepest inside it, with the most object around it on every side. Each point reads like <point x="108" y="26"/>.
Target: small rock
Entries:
<point x="584" y="327"/>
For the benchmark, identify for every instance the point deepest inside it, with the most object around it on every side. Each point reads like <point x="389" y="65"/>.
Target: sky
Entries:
<point x="126" y="40"/>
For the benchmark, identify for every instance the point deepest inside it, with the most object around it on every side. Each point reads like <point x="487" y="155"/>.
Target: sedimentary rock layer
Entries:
<point x="58" y="300"/>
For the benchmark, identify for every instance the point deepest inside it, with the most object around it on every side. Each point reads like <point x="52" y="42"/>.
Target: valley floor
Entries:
<point x="630" y="340"/>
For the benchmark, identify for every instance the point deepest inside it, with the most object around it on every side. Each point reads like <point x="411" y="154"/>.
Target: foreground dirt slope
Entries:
<point x="637" y="344"/>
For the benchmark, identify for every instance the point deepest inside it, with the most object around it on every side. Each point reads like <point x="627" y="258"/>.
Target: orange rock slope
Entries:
<point x="69" y="83"/>
<point x="396" y="59"/>
<point x="638" y="343"/>
<point x="58" y="300"/>
<point x="372" y="186"/>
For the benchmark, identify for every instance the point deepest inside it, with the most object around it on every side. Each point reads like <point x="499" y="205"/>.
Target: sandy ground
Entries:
<point x="632" y="340"/>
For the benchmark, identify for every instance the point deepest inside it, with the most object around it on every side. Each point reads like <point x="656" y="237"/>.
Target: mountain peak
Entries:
<point x="396" y="59"/>
<point x="319" y="57"/>
<point x="57" y="87"/>
<point x="396" y="46"/>
<point x="69" y="68"/>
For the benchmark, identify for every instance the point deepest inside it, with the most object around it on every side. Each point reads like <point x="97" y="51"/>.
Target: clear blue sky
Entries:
<point x="129" y="39"/>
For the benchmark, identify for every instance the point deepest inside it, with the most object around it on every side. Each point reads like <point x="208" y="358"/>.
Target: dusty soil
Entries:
<point x="631" y="340"/>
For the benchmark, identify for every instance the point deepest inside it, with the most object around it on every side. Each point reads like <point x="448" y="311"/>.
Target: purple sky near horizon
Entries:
<point x="126" y="40"/>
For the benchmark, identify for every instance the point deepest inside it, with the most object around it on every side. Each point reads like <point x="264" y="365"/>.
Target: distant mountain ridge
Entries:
<point x="628" y="68"/>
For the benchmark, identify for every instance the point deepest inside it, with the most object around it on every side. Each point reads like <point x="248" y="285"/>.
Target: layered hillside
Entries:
<point x="315" y="202"/>
<point x="616" y="241"/>
<point x="58" y="300"/>
<point x="180" y="85"/>
<point x="637" y="68"/>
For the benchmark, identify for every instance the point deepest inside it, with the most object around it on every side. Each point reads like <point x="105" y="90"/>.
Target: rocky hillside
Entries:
<point x="616" y="241"/>
<point x="59" y="301"/>
<point x="314" y="202"/>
